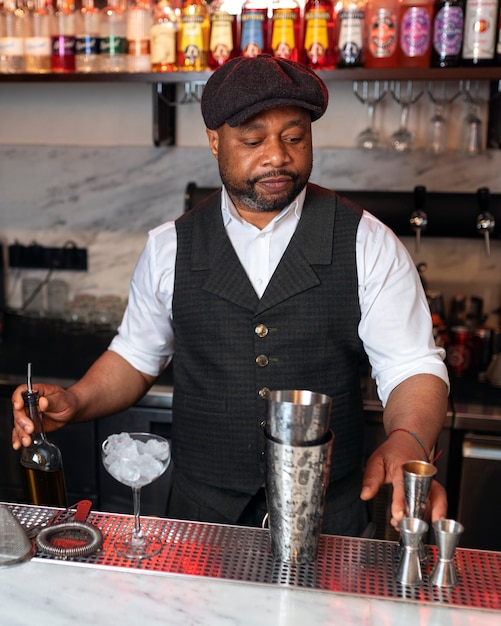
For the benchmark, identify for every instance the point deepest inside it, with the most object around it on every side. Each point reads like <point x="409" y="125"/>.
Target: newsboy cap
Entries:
<point x="244" y="87"/>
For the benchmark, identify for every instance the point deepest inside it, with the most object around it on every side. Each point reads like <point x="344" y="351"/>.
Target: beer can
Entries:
<point x="460" y="350"/>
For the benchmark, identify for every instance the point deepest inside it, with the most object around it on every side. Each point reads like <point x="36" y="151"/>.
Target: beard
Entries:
<point x="247" y="193"/>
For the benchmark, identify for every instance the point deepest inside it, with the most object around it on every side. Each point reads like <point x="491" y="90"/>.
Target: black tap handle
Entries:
<point x="483" y="195"/>
<point x="419" y="197"/>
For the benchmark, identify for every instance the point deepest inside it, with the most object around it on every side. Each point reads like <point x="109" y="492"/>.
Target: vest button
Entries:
<point x="264" y="392"/>
<point x="262" y="360"/>
<point x="261" y="330"/>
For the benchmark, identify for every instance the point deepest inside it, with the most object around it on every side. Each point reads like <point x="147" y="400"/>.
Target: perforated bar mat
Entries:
<point x="347" y="565"/>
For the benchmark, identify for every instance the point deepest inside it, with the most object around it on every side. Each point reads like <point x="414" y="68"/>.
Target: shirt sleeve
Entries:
<point x="145" y="337"/>
<point x="395" y="325"/>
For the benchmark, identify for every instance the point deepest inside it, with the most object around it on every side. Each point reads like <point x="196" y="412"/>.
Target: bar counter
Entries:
<point x="215" y="575"/>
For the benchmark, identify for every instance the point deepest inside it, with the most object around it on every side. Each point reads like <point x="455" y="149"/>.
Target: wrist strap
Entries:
<point x="420" y="442"/>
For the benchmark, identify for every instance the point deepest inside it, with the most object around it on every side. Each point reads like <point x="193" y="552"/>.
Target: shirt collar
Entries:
<point x="230" y="213"/>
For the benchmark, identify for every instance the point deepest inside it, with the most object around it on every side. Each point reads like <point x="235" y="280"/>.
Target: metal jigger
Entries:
<point x="412" y="530"/>
<point x="447" y="533"/>
<point x="417" y="482"/>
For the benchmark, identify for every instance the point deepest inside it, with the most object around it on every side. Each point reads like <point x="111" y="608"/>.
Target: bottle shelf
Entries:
<point x="345" y="74"/>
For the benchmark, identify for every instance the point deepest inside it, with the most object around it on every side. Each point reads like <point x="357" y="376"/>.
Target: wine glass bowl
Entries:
<point x="136" y="460"/>
<point x="369" y="93"/>
<point x="402" y="140"/>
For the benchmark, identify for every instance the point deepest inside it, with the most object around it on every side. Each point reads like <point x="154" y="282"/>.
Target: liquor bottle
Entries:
<point x="63" y="37"/>
<point x="350" y="33"/>
<point x="254" y="35"/>
<point x="480" y="31"/>
<point x="448" y="25"/>
<point x="37" y="45"/>
<point x="284" y="29"/>
<point x="224" y="32"/>
<point x="318" y="39"/>
<point x="42" y="460"/>
<point x="139" y="19"/>
<point x="87" y="38"/>
<point x="113" y="37"/>
<point x="415" y="28"/>
<point x="163" y="38"/>
<point x="498" y="45"/>
<point x="381" y="22"/>
<point x="12" y="38"/>
<point x="193" y="36"/>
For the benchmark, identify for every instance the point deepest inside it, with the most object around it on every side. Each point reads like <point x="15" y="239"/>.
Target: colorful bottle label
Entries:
<point x="163" y="45"/>
<point x="316" y="38"/>
<point x="252" y="39"/>
<point x="283" y="39"/>
<point x="63" y="46"/>
<point x="383" y="34"/>
<point x="480" y="29"/>
<point x="448" y="31"/>
<point x="38" y="46"/>
<point x="416" y="32"/>
<point x="113" y="45"/>
<point x="351" y="35"/>
<point x="192" y="39"/>
<point x="87" y="45"/>
<point x="221" y="36"/>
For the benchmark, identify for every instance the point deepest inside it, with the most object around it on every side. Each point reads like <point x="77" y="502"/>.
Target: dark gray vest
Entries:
<point x="311" y="311"/>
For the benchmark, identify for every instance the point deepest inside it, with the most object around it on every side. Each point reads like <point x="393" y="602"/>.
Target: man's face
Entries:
<point x="265" y="162"/>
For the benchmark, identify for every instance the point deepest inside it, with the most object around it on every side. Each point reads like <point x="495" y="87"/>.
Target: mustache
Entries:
<point x="274" y="174"/>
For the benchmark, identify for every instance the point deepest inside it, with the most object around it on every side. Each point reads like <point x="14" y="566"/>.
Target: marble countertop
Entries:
<point x="57" y="593"/>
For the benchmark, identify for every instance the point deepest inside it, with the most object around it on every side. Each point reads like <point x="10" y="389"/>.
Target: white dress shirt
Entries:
<point x="395" y="325"/>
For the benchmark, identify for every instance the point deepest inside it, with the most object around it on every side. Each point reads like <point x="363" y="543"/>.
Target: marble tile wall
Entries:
<point x="106" y="199"/>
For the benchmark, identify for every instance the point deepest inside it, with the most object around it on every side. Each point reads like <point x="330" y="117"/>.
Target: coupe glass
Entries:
<point x="136" y="460"/>
<point x="369" y="93"/>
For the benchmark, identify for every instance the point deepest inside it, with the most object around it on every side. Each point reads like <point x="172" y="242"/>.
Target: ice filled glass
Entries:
<point x="136" y="460"/>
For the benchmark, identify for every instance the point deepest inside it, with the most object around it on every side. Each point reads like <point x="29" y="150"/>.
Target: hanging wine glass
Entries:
<point x="369" y="93"/>
<point x="472" y="131"/>
<point x="402" y="140"/>
<point x="437" y="130"/>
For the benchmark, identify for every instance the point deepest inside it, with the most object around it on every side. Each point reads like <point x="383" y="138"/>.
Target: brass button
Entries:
<point x="264" y="392"/>
<point x="262" y="360"/>
<point x="261" y="330"/>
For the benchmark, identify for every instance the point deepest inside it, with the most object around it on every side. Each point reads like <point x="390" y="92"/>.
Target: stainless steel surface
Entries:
<point x="297" y="416"/>
<point x="447" y="533"/>
<point x="296" y="479"/>
<point x="409" y="565"/>
<point x="344" y="565"/>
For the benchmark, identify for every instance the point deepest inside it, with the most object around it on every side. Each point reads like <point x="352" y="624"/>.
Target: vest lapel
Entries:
<point x="310" y="245"/>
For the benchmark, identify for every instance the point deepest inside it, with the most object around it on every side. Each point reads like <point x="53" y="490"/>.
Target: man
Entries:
<point x="271" y="283"/>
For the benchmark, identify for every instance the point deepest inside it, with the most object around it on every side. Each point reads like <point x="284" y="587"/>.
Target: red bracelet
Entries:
<point x="409" y="432"/>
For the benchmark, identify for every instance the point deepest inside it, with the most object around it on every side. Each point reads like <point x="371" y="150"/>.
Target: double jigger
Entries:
<point x="418" y="476"/>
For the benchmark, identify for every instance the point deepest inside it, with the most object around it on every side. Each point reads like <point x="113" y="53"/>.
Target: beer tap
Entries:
<point x="419" y="219"/>
<point x="485" y="219"/>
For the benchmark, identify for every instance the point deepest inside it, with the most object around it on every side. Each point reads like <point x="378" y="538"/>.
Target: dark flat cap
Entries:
<point x="244" y="87"/>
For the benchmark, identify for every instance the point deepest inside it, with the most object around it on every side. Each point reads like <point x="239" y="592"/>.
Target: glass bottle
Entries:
<point x="254" y="25"/>
<point x="42" y="460"/>
<point x="193" y="36"/>
<point x="284" y="29"/>
<point x="350" y="33"/>
<point x="63" y="37"/>
<point x="224" y="32"/>
<point x="87" y="38"/>
<point x="139" y="19"/>
<point x="448" y="25"/>
<point x="113" y="37"/>
<point x="381" y="22"/>
<point x="318" y="39"/>
<point x="13" y="25"/>
<point x="415" y="28"/>
<point x="163" y="38"/>
<point x="480" y="31"/>
<point x="37" y="45"/>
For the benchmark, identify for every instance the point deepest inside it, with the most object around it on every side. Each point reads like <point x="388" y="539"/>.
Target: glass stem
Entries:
<point x="404" y="115"/>
<point x="136" y="494"/>
<point x="370" y="115"/>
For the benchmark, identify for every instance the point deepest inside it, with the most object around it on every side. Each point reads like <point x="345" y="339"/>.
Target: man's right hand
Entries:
<point x="56" y="404"/>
